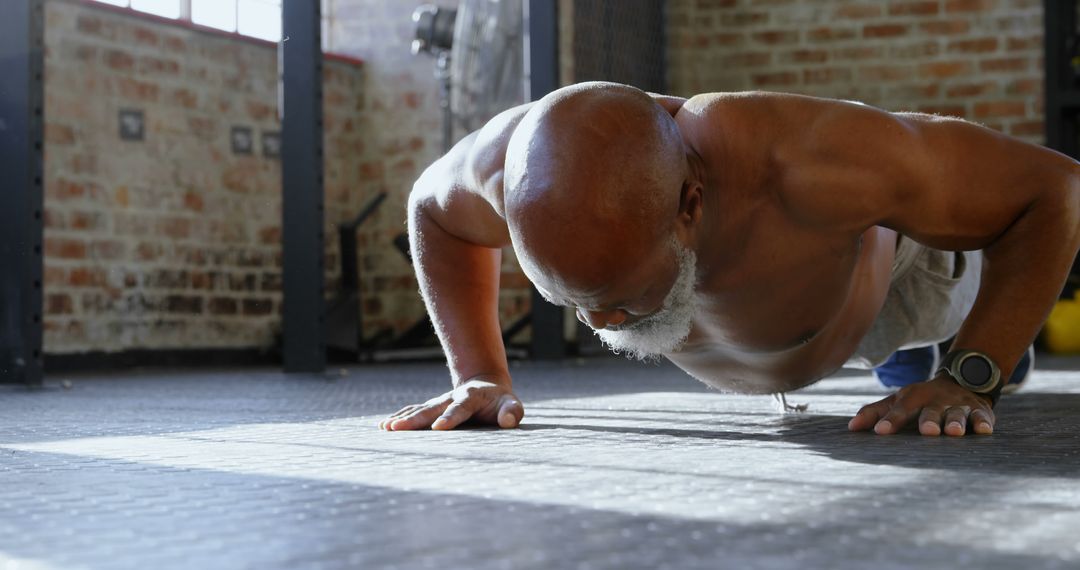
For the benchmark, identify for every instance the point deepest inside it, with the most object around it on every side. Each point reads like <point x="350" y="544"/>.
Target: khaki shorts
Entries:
<point x="930" y="294"/>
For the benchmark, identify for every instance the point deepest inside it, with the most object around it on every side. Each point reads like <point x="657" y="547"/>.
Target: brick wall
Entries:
<point x="977" y="59"/>
<point x="173" y="242"/>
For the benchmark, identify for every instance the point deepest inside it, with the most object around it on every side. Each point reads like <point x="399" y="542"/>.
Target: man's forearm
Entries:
<point x="460" y="285"/>
<point x="1024" y="271"/>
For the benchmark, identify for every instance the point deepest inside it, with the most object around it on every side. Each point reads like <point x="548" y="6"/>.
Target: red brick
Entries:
<point x="371" y="171"/>
<point x="156" y="65"/>
<point x="205" y="128"/>
<point x="978" y="45"/>
<point x="194" y="201"/>
<point x="726" y="39"/>
<point x="258" y="307"/>
<point x="242" y="282"/>
<point x="270" y="235"/>
<point x="775" y="79"/>
<point x="858" y="11"/>
<point x="744" y="18"/>
<point x="806" y="56"/>
<point x="1004" y="64"/>
<point x="86" y="221"/>
<point x="54" y="276"/>
<point x="915" y="91"/>
<point x="1032" y="43"/>
<point x="917" y="51"/>
<point x="223" y="306"/>
<point x="987" y="109"/>
<point x="920" y="8"/>
<point x="175" y="45"/>
<point x="184" y="97"/>
<point x="826" y="75"/>
<point x="747" y="59"/>
<point x="89" y="24"/>
<point x="1024" y="87"/>
<point x="884" y="30"/>
<point x="969" y="90"/>
<point x="121" y="197"/>
<point x="174" y="228"/>
<point x="943" y="69"/>
<point x="108" y="250"/>
<point x="59" y="304"/>
<point x="858" y="52"/>
<point x="146" y="36"/>
<point x="945" y="27"/>
<point x="970" y="5"/>
<point x="886" y="72"/>
<point x="237" y="179"/>
<point x="148" y="251"/>
<point x="58" y="134"/>
<point x="259" y="111"/>
<point x="202" y="280"/>
<point x="412" y="100"/>
<point x="184" y="304"/>
<point x="119" y="60"/>
<point x="65" y="248"/>
<point x="1028" y="128"/>
<point x="137" y="90"/>
<point x="270" y="282"/>
<point x="830" y="34"/>
<point x="86" y="277"/>
<point x="776" y="37"/>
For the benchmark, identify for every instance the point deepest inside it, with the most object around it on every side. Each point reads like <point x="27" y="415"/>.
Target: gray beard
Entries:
<point x="667" y="329"/>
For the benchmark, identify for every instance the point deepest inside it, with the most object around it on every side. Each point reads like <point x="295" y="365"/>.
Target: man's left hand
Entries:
<point x="940" y="405"/>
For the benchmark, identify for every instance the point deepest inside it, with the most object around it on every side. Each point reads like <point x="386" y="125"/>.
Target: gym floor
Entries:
<point x="617" y="465"/>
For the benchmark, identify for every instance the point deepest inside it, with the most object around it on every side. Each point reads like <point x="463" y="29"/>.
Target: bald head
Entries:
<point x="593" y="177"/>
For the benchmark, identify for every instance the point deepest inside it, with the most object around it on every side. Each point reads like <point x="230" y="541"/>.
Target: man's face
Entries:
<point x="654" y="314"/>
<point x="665" y="330"/>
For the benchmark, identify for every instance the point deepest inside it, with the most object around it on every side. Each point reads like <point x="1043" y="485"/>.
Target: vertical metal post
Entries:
<point x="1055" y="21"/>
<point x="302" y="185"/>
<point x="542" y="61"/>
<point x="22" y="31"/>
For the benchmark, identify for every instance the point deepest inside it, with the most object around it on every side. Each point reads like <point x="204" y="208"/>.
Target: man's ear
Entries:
<point x="691" y="203"/>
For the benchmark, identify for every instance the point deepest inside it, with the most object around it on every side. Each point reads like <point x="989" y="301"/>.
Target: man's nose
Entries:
<point x="601" y="319"/>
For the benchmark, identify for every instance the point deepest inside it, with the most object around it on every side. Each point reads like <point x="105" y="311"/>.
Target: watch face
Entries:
<point x="976" y="370"/>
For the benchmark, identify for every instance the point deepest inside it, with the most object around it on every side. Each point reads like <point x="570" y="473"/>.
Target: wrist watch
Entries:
<point x="975" y="371"/>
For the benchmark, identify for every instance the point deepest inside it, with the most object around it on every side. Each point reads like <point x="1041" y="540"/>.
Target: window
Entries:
<point x="256" y="18"/>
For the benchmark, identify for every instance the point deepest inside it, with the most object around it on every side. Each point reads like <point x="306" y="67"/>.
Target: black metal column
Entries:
<point x="543" y="64"/>
<point x="1062" y="95"/>
<point x="300" y="59"/>
<point x="22" y="32"/>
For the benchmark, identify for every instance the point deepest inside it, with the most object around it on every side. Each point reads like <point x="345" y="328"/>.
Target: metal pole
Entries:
<point x="302" y="180"/>
<point x="542" y="61"/>
<point x="22" y="32"/>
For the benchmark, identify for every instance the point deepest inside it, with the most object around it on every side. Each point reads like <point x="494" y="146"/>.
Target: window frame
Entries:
<point x="184" y="20"/>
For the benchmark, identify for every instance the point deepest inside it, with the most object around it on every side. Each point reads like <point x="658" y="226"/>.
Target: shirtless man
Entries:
<point x="759" y="241"/>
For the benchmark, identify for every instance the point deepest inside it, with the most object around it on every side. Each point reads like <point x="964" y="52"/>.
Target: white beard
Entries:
<point x="667" y="329"/>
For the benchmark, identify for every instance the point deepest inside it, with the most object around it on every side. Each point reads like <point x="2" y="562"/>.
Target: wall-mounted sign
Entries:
<point x="271" y="143"/>
<point x="243" y="140"/>
<point x="132" y="125"/>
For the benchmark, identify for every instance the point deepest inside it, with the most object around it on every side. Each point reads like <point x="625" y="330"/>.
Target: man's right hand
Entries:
<point x="479" y="399"/>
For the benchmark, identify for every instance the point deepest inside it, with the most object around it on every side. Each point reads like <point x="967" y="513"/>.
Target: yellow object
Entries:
<point x="1062" y="330"/>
